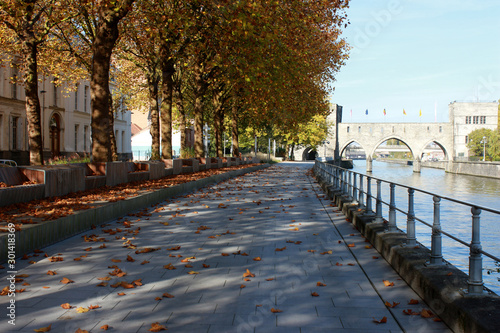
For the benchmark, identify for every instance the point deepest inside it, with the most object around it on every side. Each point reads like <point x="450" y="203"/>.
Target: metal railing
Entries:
<point x="353" y="184"/>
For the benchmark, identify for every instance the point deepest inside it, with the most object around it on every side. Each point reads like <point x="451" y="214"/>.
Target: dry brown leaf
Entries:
<point x="121" y="294"/>
<point x="427" y="313"/>
<point x="129" y="258"/>
<point x="82" y="310"/>
<point x="51" y="273"/>
<point x="387" y="283"/>
<point x="248" y="274"/>
<point x="257" y="259"/>
<point x="104" y="327"/>
<point x="389" y="305"/>
<point x="242" y="286"/>
<point x="156" y="327"/>
<point x="410" y="312"/>
<point x="167" y="295"/>
<point x="413" y="301"/>
<point x="381" y="321"/>
<point x="43" y="329"/>
<point x="320" y="284"/>
<point x="66" y="281"/>
<point x="315" y="294"/>
<point x="273" y="310"/>
<point x="66" y="306"/>
<point x="193" y="272"/>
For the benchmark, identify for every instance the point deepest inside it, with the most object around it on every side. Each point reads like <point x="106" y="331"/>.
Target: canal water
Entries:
<point x="455" y="219"/>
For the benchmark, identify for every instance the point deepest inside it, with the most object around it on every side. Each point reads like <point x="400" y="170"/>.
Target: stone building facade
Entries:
<point x="66" y="119"/>
<point x="467" y="117"/>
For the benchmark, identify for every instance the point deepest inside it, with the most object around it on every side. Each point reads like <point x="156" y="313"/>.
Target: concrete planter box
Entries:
<point x="58" y="179"/>
<point x="175" y="165"/>
<point x="21" y="193"/>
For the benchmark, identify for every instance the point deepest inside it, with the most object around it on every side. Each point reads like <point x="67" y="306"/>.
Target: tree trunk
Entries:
<point x="199" y="90"/>
<point x="182" y="113"/>
<point x="287" y="155"/>
<point x="234" y="129"/>
<point x="29" y="49"/>
<point x="111" y="129"/>
<point x="153" y="82"/>
<point x="104" y="41"/>
<point x="167" y="86"/>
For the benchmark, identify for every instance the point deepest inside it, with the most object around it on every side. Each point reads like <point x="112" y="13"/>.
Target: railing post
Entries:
<point x="354" y="188"/>
<point x="360" y="200"/>
<point x="345" y="186"/>
<point x="349" y="186"/>
<point x="378" y="205"/>
<point x="368" y="195"/>
<point x="475" y="281"/>
<point x="411" y="240"/>
<point x="436" y="241"/>
<point x="392" y="208"/>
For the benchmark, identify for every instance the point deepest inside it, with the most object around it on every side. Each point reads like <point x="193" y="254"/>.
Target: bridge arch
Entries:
<point x="346" y="144"/>
<point x="393" y="137"/>
<point x="441" y="145"/>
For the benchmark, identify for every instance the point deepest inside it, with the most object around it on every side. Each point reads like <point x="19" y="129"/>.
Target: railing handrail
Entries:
<point x="347" y="185"/>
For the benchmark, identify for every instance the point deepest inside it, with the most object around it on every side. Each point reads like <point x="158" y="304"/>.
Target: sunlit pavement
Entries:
<point x="214" y="238"/>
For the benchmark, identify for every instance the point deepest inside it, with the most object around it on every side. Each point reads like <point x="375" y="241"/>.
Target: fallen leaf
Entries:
<point x="144" y="262"/>
<point x="66" y="306"/>
<point x="66" y="281"/>
<point x="374" y="257"/>
<point x="381" y="321"/>
<point x="426" y="313"/>
<point x="82" y="310"/>
<point x="121" y="294"/>
<point x="116" y="260"/>
<point x="106" y="278"/>
<point x="92" y="307"/>
<point x="388" y="284"/>
<point x="242" y="286"/>
<point x="338" y="264"/>
<point x="320" y="284"/>
<point x="351" y="245"/>
<point x="257" y="259"/>
<point x="43" y="329"/>
<point x="273" y="310"/>
<point x="315" y="294"/>
<point x="188" y="266"/>
<point x="280" y="249"/>
<point x="206" y="266"/>
<point x="167" y="295"/>
<point x="389" y="305"/>
<point x="104" y="327"/>
<point x="193" y="272"/>
<point x="102" y="284"/>
<point x="327" y="252"/>
<point x="270" y="279"/>
<point x="156" y="327"/>
<point x="368" y="246"/>
<point x="51" y="273"/>
<point x="225" y="254"/>
<point x="248" y="274"/>
<point x="413" y="301"/>
<point x="410" y="312"/>
<point x="81" y="331"/>
<point x="169" y="266"/>
<point x="129" y="258"/>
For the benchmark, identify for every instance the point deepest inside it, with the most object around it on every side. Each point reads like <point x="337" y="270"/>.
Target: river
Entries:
<point x="455" y="219"/>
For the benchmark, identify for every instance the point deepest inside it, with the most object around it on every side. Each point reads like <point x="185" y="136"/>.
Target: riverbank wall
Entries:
<point x="479" y="168"/>
<point x="442" y="287"/>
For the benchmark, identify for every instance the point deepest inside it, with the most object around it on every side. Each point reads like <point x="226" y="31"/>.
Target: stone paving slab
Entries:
<point x="276" y="223"/>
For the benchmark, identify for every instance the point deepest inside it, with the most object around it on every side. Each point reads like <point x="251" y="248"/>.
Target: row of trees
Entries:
<point x="485" y="143"/>
<point x="258" y="66"/>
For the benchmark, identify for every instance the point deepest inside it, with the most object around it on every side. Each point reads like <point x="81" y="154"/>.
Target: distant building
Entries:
<point x="65" y="120"/>
<point x="467" y="117"/>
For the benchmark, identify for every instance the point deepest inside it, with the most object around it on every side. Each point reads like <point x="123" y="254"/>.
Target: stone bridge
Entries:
<point x="369" y="136"/>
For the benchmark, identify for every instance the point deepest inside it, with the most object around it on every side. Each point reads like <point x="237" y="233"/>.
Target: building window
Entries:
<point x="468" y="120"/>
<point x="347" y="129"/>
<point x="55" y="94"/>
<point x="482" y="120"/>
<point x="440" y="129"/>
<point x="475" y="120"/>
<point x="85" y="134"/>
<point x="85" y="98"/>
<point x="76" y="98"/>
<point x="14" y="81"/>
<point x="359" y="129"/>
<point x="466" y="139"/>
<point x="76" y="138"/>
<point x="15" y="121"/>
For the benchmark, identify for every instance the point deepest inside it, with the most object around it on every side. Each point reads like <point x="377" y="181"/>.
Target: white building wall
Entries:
<point x="71" y="105"/>
<point x="467" y="117"/>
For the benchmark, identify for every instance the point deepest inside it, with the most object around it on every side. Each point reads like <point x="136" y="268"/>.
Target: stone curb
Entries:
<point x="40" y="235"/>
<point x="442" y="287"/>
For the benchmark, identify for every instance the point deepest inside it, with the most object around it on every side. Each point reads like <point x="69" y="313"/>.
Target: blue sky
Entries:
<point x="418" y="55"/>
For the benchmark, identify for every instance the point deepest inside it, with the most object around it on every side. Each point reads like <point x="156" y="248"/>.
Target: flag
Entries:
<point x="404" y="112"/>
<point x="351" y="113"/>
<point x="420" y="115"/>
<point x="384" y="112"/>
<point x="366" y="112"/>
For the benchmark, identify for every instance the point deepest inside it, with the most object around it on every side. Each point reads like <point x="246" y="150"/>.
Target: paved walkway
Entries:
<point x="275" y="225"/>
